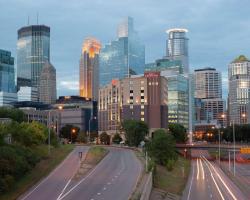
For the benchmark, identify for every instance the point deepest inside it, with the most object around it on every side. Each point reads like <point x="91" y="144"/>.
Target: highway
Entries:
<point x="114" y="178"/>
<point x="207" y="181"/>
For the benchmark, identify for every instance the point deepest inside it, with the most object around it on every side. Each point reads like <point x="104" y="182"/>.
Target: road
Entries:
<point x="114" y="178"/>
<point x="207" y="181"/>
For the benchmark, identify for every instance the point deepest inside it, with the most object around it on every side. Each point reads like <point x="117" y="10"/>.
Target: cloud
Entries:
<point x="69" y="85"/>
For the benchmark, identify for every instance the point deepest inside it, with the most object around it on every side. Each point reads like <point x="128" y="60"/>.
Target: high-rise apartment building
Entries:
<point x="177" y="46"/>
<point x="124" y="56"/>
<point x="239" y="90"/>
<point x="7" y="79"/>
<point x="208" y="83"/>
<point x="33" y="51"/>
<point x="138" y="97"/>
<point x="89" y="69"/>
<point x="210" y="107"/>
<point x="47" y="84"/>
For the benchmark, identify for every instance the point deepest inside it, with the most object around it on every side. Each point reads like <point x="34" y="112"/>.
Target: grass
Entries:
<point x="95" y="155"/>
<point x="42" y="169"/>
<point x="173" y="181"/>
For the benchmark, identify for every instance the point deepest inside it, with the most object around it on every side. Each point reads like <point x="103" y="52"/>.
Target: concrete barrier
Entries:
<point x="145" y="195"/>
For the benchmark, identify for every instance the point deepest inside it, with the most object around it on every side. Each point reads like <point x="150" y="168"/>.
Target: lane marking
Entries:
<point x="222" y="181"/>
<point x="64" y="189"/>
<point x="93" y="170"/>
<point x="198" y="169"/>
<point x="189" y="191"/>
<point x="52" y="173"/>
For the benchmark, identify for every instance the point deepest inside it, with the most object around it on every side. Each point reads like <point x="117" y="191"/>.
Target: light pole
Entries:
<point x="91" y="118"/>
<point x="72" y="131"/>
<point x="234" y="145"/>
<point x="49" y="133"/>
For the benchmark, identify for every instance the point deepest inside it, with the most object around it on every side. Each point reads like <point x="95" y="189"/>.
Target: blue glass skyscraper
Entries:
<point x="7" y="78"/>
<point x="124" y="56"/>
<point x="33" y="51"/>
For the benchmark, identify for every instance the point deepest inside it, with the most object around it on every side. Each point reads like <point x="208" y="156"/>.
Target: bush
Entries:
<point x="170" y="164"/>
<point x="117" y="138"/>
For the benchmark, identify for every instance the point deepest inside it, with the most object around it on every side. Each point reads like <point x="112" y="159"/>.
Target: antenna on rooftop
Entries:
<point x="28" y="20"/>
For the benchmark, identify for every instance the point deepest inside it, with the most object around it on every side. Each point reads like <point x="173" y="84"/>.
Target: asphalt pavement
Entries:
<point x="114" y="178"/>
<point x="208" y="181"/>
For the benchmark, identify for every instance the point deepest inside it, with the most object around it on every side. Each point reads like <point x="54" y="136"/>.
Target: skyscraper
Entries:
<point x="239" y="90"/>
<point x="7" y="78"/>
<point x="177" y="46"/>
<point x="177" y="89"/>
<point x="207" y="83"/>
<point x="124" y="56"/>
<point x="47" y="84"/>
<point x="89" y="69"/>
<point x="210" y="106"/>
<point x="33" y="51"/>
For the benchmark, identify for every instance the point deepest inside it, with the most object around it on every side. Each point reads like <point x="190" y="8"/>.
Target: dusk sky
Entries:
<point x="219" y="30"/>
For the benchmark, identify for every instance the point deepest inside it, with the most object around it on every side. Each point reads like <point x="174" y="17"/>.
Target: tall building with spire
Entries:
<point x="89" y="68"/>
<point x="124" y="56"/>
<point x="47" y="84"/>
<point x="33" y="51"/>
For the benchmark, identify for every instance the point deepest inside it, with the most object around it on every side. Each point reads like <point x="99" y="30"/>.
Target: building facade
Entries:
<point x="239" y="90"/>
<point x="124" y="56"/>
<point x="210" y="108"/>
<point x="89" y="69"/>
<point x="207" y="83"/>
<point x="177" y="88"/>
<point x="7" y="79"/>
<point x="47" y="84"/>
<point x="33" y="51"/>
<point x="177" y="47"/>
<point x="142" y="98"/>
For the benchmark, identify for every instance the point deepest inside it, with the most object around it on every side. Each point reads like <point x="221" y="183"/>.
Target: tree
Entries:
<point x="69" y="132"/>
<point x="82" y="137"/>
<point x="162" y="147"/>
<point x="104" y="138"/>
<point x="117" y="138"/>
<point x="12" y="113"/>
<point x="135" y="131"/>
<point x="179" y="132"/>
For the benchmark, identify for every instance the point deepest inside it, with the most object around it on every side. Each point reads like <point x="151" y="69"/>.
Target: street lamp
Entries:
<point x="91" y="118"/>
<point x="72" y="131"/>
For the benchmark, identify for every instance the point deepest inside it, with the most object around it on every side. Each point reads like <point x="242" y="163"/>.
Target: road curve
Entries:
<point x="51" y="186"/>
<point x="114" y="178"/>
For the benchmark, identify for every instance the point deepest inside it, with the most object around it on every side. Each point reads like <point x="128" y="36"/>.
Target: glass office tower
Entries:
<point x="33" y="51"/>
<point x="239" y="90"/>
<point x="177" y="46"/>
<point x="124" y="56"/>
<point x="7" y="78"/>
<point x="177" y="89"/>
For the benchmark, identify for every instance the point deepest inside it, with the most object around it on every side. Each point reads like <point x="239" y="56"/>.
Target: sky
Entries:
<point x="219" y="30"/>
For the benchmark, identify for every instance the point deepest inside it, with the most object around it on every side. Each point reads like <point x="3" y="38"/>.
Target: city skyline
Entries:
<point x="151" y="22"/>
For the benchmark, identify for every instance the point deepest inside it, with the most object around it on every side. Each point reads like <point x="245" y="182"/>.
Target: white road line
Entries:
<point x="93" y="170"/>
<point x="52" y="173"/>
<point x="189" y="191"/>
<point x="198" y="169"/>
<point x="63" y="189"/>
<point x="223" y="182"/>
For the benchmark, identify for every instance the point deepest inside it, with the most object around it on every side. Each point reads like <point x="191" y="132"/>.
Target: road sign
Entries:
<point x="245" y="150"/>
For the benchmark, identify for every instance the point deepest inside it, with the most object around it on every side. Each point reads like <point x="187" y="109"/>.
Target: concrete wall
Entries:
<point x="147" y="187"/>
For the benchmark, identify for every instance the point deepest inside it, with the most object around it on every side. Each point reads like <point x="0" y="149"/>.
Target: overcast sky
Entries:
<point x="219" y="30"/>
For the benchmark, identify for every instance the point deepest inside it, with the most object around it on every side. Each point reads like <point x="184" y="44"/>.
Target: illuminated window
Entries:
<point x="142" y="119"/>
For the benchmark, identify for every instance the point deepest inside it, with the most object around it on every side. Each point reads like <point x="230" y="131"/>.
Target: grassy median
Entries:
<point x="42" y="169"/>
<point x="173" y="181"/>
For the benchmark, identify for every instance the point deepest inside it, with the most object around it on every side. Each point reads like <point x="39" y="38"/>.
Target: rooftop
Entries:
<point x="241" y="58"/>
